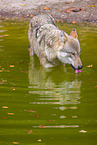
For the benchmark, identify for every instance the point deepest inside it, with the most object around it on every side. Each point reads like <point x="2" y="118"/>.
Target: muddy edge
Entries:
<point x="72" y="11"/>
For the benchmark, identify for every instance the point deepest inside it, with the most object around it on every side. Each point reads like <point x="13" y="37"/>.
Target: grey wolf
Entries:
<point x="52" y="45"/>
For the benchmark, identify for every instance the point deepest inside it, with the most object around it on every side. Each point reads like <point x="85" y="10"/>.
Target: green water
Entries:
<point x="46" y="106"/>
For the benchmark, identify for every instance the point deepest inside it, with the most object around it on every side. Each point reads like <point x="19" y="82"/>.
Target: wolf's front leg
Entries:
<point x="44" y="62"/>
<point x="48" y="65"/>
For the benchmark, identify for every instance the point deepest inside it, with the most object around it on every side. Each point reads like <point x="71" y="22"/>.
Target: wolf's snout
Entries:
<point x="76" y="68"/>
<point x="80" y="67"/>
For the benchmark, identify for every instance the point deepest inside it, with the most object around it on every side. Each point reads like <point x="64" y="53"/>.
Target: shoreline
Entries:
<point x="75" y="12"/>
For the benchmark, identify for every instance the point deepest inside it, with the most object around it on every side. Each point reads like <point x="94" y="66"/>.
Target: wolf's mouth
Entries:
<point x="76" y="70"/>
<point x="72" y="66"/>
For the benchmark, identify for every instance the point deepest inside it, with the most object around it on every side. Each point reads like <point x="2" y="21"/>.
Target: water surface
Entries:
<point x="46" y="106"/>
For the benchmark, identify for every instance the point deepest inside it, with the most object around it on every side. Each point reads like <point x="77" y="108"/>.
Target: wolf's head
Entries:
<point x="70" y="51"/>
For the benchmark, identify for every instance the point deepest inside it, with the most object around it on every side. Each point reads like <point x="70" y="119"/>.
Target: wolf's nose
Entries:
<point x="80" y="67"/>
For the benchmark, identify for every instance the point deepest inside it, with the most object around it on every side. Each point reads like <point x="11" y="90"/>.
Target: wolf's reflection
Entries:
<point x="53" y="85"/>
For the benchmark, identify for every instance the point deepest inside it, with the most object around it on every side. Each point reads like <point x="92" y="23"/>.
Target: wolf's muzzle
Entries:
<point x="79" y="67"/>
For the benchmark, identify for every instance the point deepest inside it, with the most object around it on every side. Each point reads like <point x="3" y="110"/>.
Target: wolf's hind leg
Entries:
<point x="30" y="31"/>
<point x="31" y="50"/>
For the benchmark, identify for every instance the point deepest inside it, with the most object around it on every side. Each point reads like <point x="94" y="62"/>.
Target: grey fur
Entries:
<point x="52" y="45"/>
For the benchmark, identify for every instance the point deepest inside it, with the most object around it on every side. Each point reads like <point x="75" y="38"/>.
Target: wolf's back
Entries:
<point x="40" y="20"/>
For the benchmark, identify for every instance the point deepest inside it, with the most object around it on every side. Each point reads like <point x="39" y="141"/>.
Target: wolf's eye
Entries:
<point x="73" y="53"/>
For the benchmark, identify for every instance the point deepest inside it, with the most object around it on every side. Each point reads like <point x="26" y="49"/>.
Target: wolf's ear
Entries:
<point x="63" y="36"/>
<point x="74" y="34"/>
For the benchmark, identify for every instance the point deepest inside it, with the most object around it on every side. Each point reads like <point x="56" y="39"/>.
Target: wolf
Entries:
<point x="52" y="45"/>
